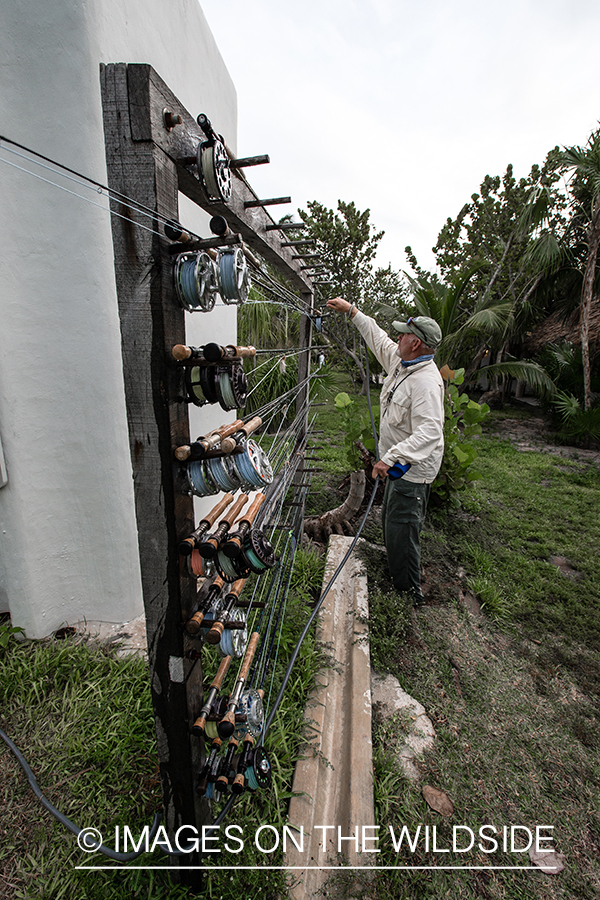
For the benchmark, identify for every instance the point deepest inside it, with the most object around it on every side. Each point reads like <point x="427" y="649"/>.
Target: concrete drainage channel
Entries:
<point x="333" y="783"/>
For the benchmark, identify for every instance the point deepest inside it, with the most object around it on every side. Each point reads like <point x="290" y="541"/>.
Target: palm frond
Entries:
<point x="490" y="318"/>
<point x="566" y="405"/>
<point x="524" y="370"/>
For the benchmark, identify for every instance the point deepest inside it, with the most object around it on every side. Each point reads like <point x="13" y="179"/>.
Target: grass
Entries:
<point x="514" y="694"/>
<point x="83" y="719"/>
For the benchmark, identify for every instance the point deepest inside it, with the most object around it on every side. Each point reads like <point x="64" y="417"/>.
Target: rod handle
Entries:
<point x="226" y="726"/>
<point x="228" y="444"/>
<point x="236" y="589"/>
<point x="189" y="543"/>
<point x="214" y="635"/>
<point x="193" y="625"/>
<point x="181" y="352"/>
<point x="252" y="510"/>
<point x="221" y="672"/>
<point x="250" y="651"/>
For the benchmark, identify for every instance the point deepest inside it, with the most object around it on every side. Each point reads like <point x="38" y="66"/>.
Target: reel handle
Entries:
<point x="206" y="126"/>
<point x="228" y="444"/>
<point x="189" y="543"/>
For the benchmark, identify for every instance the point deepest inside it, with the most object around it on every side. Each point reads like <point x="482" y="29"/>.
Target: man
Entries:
<point x="411" y="442"/>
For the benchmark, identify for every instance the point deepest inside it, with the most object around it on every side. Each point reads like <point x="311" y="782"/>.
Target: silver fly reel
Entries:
<point x="196" y="281"/>
<point x="234" y="278"/>
<point x="250" y="714"/>
<point x="214" y="170"/>
<point x="249" y="470"/>
<point x="233" y="640"/>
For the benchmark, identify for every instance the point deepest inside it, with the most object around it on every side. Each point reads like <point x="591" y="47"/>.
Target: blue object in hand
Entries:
<point x="398" y="470"/>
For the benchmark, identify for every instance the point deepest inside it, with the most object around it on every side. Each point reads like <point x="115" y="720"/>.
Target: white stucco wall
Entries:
<point x="68" y="546"/>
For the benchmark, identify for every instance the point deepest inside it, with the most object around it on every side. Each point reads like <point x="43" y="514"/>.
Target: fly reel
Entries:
<point x="256" y="555"/>
<point x="233" y="640"/>
<point x="247" y="470"/>
<point x="250" y="714"/>
<point x="225" y="385"/>
<point x="199" y="480"/>
<point x="234" y="279"/>
<point x="214" y="168"/>
<point x="258" y="774"/>
<point x="196" y="281"/>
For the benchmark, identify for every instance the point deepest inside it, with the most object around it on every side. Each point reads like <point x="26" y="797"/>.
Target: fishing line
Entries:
<point x="136" y="205"/>
<point x="80" y="196"/>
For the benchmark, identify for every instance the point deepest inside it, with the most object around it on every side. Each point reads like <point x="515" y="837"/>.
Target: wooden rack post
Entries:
<point x="150" y="162"/>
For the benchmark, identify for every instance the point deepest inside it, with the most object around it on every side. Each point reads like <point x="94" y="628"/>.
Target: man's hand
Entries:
<point x="380" y="469"/>
<point x="339" y="304"/>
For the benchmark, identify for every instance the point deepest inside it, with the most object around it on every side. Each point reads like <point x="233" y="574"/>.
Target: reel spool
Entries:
<point x="258" y="775"/>
<point x="253" y="466"/>
<point x="196" y="281"/>
<point x="214" y="169"/>
<point x="231" y="386"/>
<point x="257" y="552"/>
<point x="198" y="567"/>
<point x="250" y="714"/>
<point x="248" y="470"/>
<point x="234" y="278"/>
<point x="199" y="480"/>
<point x="233" y="640"/>
<point x="225" y="385"/>
<point x="231" y="570"/>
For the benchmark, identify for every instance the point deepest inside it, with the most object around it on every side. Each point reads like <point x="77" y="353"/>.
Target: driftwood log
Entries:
<point x="320" y="528"/>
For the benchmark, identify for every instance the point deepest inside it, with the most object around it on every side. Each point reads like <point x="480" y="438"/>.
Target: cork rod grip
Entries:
<point x="251" y="650"/>
<point x="235" y="510"/>
<point x="252" y="510"/>
<point x="181" y="352"/>
<point x="221" y="673"/>
<point x="245" y="352"/>
<point x="229" y="444"/>
<point x="189" y="543"/>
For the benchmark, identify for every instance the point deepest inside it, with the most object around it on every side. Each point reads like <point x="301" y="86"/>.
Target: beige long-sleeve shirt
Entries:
<point x="412" y="407"/>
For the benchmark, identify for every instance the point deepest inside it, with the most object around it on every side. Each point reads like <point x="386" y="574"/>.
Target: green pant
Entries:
<point x="403" y="515"/>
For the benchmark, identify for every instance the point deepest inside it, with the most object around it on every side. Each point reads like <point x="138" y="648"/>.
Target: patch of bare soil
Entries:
<point x="534" y="433"/>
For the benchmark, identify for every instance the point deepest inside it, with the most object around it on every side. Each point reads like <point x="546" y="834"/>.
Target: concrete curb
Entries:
<point x="335" y="779"/>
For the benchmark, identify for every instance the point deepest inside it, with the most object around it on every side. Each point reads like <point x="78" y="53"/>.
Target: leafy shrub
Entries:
<point x="463" y="418"/>
<point x="357" y="427"/>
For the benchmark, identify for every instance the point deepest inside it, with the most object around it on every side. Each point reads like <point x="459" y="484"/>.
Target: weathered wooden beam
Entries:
<point x="152" y="322"/>
<point x="180" y="143"/>
<point x="245" y="161"/>
<point x="272" y="201"/>
<point x="286" y="226"/>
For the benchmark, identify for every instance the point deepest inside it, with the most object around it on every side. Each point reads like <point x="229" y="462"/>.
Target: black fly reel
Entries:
<point x="256" y="555"/>
<point x="225" y="385"/>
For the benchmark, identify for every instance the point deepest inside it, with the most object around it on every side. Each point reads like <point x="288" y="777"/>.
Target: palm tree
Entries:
<point x="585" y="163"/>
<point x="487" y="321"/>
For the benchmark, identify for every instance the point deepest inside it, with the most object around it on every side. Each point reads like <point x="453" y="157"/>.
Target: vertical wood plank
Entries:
<point x="151" y="323"/>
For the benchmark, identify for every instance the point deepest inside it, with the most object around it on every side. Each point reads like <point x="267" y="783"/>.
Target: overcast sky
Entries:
<point x="403" y="107"/>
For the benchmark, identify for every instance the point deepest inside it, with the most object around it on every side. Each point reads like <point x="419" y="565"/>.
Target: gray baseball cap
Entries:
<point x="423" y="327"/>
